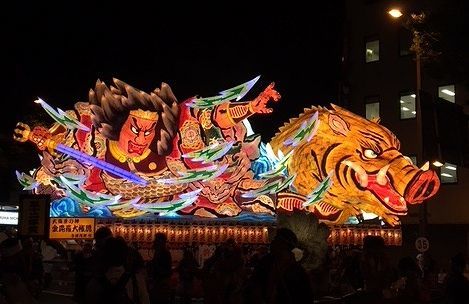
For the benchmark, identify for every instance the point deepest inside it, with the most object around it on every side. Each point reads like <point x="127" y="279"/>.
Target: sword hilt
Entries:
<point x="40" y="136"/>
<point x="21" y="132"/>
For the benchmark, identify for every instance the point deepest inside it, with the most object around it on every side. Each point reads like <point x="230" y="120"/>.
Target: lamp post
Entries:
<point x="417" y="48"/>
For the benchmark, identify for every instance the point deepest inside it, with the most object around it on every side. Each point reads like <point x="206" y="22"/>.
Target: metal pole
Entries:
<point x="419" y="120"/>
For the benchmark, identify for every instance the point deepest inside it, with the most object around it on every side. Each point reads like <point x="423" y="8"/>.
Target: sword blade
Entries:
<point x="101" y="164"/>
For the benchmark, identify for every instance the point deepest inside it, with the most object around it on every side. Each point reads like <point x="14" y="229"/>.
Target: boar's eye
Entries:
<point x="368" y="153"/>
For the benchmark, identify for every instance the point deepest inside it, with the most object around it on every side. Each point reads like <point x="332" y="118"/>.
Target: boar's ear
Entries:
<point x="338" y="124"/>
<point x="376" y="120"/>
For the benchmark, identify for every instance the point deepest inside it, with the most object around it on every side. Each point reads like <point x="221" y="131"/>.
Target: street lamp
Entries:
<point x="395" y="12"/>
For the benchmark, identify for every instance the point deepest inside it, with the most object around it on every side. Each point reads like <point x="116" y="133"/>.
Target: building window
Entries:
<point x="407" y="106"/>
<point x="372" y="51"/>
<point x="449" y="173"/>
<point x="447" y="92"/>
<point x="372" y="109"/>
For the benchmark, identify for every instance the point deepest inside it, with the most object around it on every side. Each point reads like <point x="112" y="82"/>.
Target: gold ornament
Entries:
<point x="148" y="115"/>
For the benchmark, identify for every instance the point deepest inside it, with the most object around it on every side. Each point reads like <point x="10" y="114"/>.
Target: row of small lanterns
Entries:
<point x="346" y="235"/>
<point x="145" y="233"/>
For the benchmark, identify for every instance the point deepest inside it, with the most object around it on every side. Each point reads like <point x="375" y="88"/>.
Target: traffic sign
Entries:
<point x="422" y="244"/>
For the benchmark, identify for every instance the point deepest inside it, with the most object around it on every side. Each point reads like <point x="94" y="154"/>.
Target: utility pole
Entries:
<point x="417" y="48"/>
<point x="420" y="47"/>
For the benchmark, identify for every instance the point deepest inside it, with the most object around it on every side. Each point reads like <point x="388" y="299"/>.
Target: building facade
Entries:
<point x="379" y="80"/>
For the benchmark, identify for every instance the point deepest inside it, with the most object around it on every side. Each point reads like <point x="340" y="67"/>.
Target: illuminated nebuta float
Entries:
<point x="144" y="155"/>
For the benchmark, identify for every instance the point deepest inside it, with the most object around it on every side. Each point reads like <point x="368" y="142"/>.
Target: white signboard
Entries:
<point x="8" y="217"/>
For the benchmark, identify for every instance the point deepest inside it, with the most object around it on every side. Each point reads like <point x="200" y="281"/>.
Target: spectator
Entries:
<point x="224" y="275"/>
<point x="351" y="277"/>
<point x="48" y="252"/>
<point x="83" y="264"/>
<point x="116" y="282"/>
<point x="13" y="272"/>
<point x="135" y="262"/>
<point x="209" y="278"/>
<point x="279" y="278"/>
<point x="188" y="270"/>
<point x="457" y="285"/>
<point x="161" y="270"/>
<point x="375" y="267"/>
<point x="101" y="235"/>
<point x="34" y="266"/>
<point x="407" y="287"/>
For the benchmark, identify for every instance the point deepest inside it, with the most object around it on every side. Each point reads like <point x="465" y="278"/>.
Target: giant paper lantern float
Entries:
<point x="132" y="154"/>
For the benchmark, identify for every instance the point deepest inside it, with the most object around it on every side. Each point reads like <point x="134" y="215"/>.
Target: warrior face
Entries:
<point x="138" y="132"/>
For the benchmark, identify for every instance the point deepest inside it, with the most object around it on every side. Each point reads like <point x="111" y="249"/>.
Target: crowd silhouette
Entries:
<point x="109" y="270"/>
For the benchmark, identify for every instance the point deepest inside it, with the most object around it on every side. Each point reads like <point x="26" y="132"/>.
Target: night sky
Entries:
<point x="60" y="51"/>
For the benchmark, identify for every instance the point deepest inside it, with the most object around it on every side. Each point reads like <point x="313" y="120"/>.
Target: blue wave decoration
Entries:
<point x="251" y="217"/>
<point x="263" y="164"/>
<point x="67" y="207"/>
<point x="243" y="217"/>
